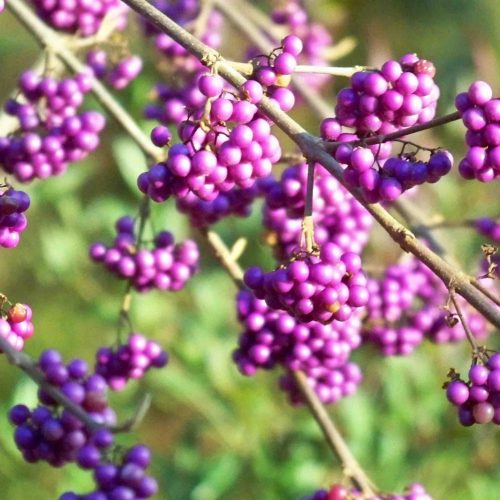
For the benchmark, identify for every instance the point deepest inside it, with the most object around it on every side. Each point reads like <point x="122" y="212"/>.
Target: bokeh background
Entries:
<point x="214" y="433"/>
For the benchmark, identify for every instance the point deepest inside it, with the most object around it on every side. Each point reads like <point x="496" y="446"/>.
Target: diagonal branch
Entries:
<point x="313" y="151"/>
<point x="50" y="39"/>
<point x="28" y="366"/>
<point x="234" y="15"/>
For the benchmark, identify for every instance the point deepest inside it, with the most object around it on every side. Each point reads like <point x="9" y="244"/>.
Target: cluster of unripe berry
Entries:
<point x="51" y="133"/>
<point x="13" y="222"/>
<point x="129" y="361"/>
<point x="165" y="266"/>
<point x="478" y="399"/>
<point x="480" y="114"/>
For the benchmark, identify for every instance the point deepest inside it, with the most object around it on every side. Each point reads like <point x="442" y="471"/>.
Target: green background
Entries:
<point x="214" y="433"/>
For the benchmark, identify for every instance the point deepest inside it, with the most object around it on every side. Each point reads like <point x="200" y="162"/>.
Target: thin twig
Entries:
<point x="248" y="68"/>
<point x="334" y="438"/>
<point x="140" y="412"/>
<point x="224" y="256"/>
<point x="123" y="315"/>
<point x="476" y="283"/>
<point x="200" y="23"/>
<point x="343" y="47"/>
<point x="28" y="366"/>
<point x="378" y="139"/>
<point x="468" y="333"/>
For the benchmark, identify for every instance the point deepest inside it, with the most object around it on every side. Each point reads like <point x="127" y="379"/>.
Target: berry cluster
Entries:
<point x="399" y="95"/>
<point x="329" y="384"/>
<point x="51" y="132"/>
<point x="16" y="326"/>
<point x="184" y="13"/>
<point x="414" y="491"/>
<point x="129" y="361"/>
<point x="53" y="434"/>
<point x="173" y="100"/>
<point x="322" y="287"/>
<point x="176" y="96"/>
<point x="481" y="116"/>
<point x="213" y="157"/>
<point x="321" y="352"/>
<point x="118" y="75"/>
<point x="314" y="37"/>
<point x="80" y="16"/>
<point x="237" y="201"/>
<point x="478" y="399"/>
<point x="488" y="227"/>
<point x="124" y="479"/>
<point x="406" y="305"/>
<point x="273" y="73"/>
<point x="167" y="266"/>
<point x="338" y="217"/>
<point x="386" y="180"/>
<point x="12" y="219"/>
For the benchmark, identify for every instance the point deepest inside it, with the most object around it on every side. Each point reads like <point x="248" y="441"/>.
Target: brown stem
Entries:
<point x="413" y="217"/>
<point x="28" y="366"/>
<point x="224" y="256"/>
<point x="468" y="333"/>
<point x="123" y="315"/>
<point x="378" y="139"/>
<point x="475" y="282"/>
<point x="334" y="438"/>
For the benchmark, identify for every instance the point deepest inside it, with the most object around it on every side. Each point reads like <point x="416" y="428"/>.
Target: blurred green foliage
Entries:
<point x="215" y="434"/>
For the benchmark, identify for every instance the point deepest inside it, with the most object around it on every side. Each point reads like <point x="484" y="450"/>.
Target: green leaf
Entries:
<point x="131" y="161"/>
